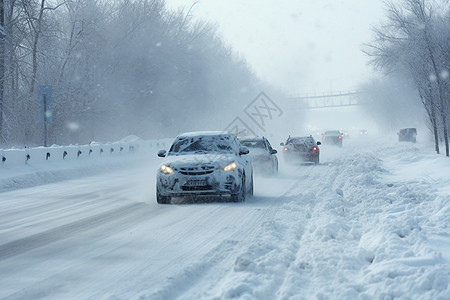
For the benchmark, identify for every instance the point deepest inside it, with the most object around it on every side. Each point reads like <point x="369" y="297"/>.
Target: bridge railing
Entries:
<point x="328" y="100"/>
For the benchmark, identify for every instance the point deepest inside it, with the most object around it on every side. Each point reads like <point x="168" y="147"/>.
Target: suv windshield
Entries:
<point x="201" y="145"/>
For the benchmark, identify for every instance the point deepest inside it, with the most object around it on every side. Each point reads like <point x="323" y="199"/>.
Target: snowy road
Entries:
<point x="371" y="221"/>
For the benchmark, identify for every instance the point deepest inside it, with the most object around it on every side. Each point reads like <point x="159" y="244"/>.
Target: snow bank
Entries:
<point x="40" y="165"/>
<point x="376" y="228"/>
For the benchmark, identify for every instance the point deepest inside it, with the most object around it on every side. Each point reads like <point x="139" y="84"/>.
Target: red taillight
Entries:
<point x="323" y="137"/>
<point x="286" y="148"/>
<point x="314" y="148"/>
<point x="340" y="137"/>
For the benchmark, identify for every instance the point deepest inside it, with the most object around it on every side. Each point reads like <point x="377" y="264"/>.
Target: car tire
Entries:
<point x="316" y="160"/>
<point x="162" y="199"/>
<point x="250" y="191"/>
<point x="275" y="168"/>
<point x="241" y="194"/>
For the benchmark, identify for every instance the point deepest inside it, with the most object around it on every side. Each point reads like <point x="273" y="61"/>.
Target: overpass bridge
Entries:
<point x="328" y="100"/>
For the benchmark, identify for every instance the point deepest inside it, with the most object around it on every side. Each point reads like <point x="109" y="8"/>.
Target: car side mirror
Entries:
<point x="273" y="151"/>
<point x="162" y="153"/>
<point x="244" y="151"/>
<point x="281" y="144"/>
<point x="319" y="143"/>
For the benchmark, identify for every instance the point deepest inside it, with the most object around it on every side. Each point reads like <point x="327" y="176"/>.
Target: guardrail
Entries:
<point x="11" y="157"/>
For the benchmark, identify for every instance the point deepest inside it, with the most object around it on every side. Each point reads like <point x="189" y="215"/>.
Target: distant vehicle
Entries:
<point x="332" y="137"/>
<point x="407" y="135"/>
<point x="345" y="134"/>
<point x="263" y="156"/>
<point x="242" y="133"/>
<point x="363" y="132"/>
<point x="304" y="148"/>
<point x="205" y="163"/>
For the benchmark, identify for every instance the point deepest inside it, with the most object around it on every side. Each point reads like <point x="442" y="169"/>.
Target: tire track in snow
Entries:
<point x="26" y="244"/>
<point x="214" y="264"/>
<point x="219" y="263"/>
<point x="326" y="227"/>
<point x="259" y="266"/>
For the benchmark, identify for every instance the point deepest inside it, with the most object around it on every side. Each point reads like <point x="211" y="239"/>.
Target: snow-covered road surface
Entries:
<point x="370" y="222"/>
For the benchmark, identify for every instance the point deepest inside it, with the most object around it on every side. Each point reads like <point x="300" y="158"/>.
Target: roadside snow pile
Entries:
<point x="361" y="231"/>
<point x="28" y="167"/>
<point x="398" y="216"/>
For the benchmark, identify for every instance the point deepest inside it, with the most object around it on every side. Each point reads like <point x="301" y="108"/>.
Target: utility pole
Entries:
<point x="2" y="64"/>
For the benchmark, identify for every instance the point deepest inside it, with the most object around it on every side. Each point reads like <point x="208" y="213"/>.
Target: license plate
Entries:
<point x="196" y="183"/>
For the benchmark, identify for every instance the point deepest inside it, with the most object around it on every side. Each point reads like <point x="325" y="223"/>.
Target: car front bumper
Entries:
<point x="218" y="183"/>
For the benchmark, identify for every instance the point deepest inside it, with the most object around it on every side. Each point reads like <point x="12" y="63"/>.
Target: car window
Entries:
<point x="300" y="140"/>
<point x="254" y="144"/>
<point x="332" y="132"/>
<point x="201" y="144"/>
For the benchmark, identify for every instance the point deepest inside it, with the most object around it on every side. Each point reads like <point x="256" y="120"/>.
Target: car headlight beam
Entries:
<point x="230" y="167"/>
<point x="166" y="169"/>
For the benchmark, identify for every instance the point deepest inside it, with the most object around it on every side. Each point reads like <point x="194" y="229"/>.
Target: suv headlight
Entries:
<point x="166" y="169"/>
<point x="230" y="167"/>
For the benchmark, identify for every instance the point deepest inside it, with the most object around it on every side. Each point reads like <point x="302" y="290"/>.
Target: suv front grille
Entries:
<point x="197" y="188"/>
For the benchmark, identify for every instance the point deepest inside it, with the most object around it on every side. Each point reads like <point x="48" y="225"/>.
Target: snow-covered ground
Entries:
<point x="370" y="222"/>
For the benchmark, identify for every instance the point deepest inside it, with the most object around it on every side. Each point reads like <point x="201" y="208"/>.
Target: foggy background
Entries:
<point x="156" y="68"/>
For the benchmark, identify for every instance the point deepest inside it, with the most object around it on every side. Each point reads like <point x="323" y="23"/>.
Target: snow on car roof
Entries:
<point x="300" y="138"/>
<point x="250" y="139"/>
<point x="202" y="133"/>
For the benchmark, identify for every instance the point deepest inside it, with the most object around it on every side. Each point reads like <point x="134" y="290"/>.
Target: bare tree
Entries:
<point x="117" y="68"/>
<point x="411" y="43"/>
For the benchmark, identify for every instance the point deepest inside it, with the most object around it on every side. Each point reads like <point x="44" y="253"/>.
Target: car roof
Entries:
<point x="203" y="133"/>
<point x="252" y="139"/>
<point x="300" y="137"/>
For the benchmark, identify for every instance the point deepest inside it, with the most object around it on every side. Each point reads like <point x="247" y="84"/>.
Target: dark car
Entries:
<point x="407" y="135"/>
<point x="303" y="148"/>
<point x="263" y="156"/>
<point x="332" y="137"/>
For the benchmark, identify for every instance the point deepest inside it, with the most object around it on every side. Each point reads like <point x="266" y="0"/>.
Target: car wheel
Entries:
<point x="240" y="195"/>
<point x="275" y="168"/>
<point x="250" y="191"/>
<point x="162" y="199"/>
<point x="316" y="160"/>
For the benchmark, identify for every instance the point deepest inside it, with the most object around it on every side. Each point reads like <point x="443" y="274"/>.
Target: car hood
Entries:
<point x="216" y="159"/>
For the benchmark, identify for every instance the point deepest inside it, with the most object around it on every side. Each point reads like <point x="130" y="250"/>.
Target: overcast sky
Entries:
<point x="302" y="46"/>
